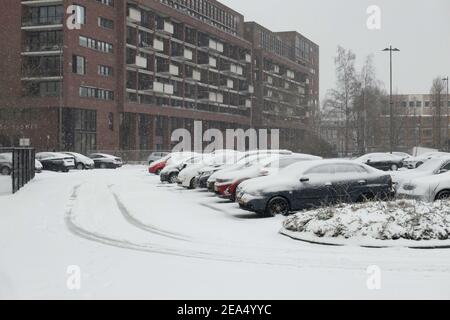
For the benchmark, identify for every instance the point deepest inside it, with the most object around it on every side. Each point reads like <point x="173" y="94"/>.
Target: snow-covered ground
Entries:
<point x="5" y="184"/>
<point x="132" y="237"/>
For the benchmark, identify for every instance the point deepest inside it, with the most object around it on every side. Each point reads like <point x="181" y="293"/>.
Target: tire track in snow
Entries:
<point x="291" y="260"/>
<point x="79" y="231"/>
<point x="146" y="227"/>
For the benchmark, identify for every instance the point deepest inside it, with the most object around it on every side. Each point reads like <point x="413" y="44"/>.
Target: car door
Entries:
<point x="316" y="188"/>
<point x="350" y="181"/>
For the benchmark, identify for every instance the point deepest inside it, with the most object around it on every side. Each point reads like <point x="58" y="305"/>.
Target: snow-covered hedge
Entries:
<point x="401" y="219"/>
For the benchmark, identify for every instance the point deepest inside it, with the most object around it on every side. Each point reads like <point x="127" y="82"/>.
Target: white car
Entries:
<point x="186" y="177"/>
<point x="81" y="161"/>
<point x="428" y="188"/>
<point x="245" y="160"/>
<point x="415" y="162"/>
<point x="429" y="168"/>
<point x="155" y="156"/>
<point x="38" y="167"/>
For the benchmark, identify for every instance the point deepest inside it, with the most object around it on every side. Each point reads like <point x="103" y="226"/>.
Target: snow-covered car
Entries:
<point x="81" y="161"/>
<point x="5" y="164"/>
<point x="403" y="155"/>
<point x="429" y="168"/>
<point x="38" y="167"/>
<point x="170" y="172"/>
<point x="155" y="156"/>
<point x="382" y="161"/>
<point x="207" y="178"/>
<point x="417" y="161"/>
<point x="172" y="158"/>
<point x="186" y="177"/>
<point x="427" y="188"/>
<point x="226" y="181"/>
<point x="310" y="184"/>
<point x="106" y="161"/>
<point x="54" y="161"/>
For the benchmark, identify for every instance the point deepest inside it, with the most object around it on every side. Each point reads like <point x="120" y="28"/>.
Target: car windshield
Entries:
<point x="432" y="165"/>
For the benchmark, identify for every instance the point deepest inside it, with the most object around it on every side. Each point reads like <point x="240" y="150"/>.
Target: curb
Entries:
<point x="331" y="242"/>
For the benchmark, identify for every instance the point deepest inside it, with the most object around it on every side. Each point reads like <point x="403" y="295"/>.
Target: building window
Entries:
<point x="107" y="2"/>
<point x="96" y="93"/>
<point x="79" y="65"/>
<point x="95" y="44"/>
<point x="105" y="71"/>
<point x="105" y="23"/>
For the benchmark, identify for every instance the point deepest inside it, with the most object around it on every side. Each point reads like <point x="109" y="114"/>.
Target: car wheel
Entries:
<point x="418" y="164"/>
<point x="173" y="178"/>
<point x="394" y="167"/>
<point x="80" y="166"/>
<point x="277" y="205"/>
<point x="5" y="171"/>
<point x="103" y="166"/>
<point x="443" y="195"/>
<point x="192" y="184"/>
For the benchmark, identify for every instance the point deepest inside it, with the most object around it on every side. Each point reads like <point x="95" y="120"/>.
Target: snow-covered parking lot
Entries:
<point x="132" y="237"/>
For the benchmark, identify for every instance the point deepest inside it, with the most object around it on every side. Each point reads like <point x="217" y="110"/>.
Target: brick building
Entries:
<point x="136" y="70"/>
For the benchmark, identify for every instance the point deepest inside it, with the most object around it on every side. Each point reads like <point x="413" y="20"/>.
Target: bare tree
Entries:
<point x="437" y="91"/>
<point x="341" y="98"/>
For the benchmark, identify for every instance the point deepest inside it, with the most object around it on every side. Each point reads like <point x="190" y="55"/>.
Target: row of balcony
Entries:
<point x="160" y="88"/>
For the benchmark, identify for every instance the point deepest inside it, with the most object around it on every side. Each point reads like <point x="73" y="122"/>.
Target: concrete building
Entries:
<point x="134" y="71"/>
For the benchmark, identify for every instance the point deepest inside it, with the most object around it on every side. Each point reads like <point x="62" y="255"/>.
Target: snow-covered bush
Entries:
<point x="401" y="219"/>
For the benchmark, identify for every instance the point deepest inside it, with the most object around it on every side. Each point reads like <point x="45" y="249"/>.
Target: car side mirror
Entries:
<point x="304" y="179"/>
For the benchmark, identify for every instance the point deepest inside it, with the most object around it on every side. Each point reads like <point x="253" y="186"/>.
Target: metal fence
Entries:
<point x="22" y="166"/>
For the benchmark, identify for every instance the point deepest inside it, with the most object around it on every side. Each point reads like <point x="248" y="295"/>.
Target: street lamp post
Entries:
<point x="391" y="115"/>
<point x="446" y="104"/>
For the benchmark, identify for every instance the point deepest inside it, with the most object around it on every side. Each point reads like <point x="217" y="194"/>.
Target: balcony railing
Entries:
<point x="43" y="21"/>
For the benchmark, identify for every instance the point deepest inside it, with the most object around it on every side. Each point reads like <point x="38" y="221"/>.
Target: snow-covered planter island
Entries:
<point x="374" y="224"/>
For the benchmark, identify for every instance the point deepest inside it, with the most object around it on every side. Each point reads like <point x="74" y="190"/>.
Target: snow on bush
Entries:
<point x="401" y="219"/>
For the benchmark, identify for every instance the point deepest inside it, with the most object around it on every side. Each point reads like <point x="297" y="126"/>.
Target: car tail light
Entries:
<point x="264" y="172"/>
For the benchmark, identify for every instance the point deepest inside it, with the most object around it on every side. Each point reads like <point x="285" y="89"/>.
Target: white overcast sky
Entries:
<point x="419" y="28"/>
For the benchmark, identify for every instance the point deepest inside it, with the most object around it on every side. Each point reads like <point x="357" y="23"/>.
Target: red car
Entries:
<point x="157" y="166"/>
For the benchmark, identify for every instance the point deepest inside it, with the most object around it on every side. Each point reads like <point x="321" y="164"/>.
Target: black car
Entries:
<point x="53" y="161"/>
<point x="106" y="161"/>
<point x="382" y="161"/>
<point x="311" y="184"/>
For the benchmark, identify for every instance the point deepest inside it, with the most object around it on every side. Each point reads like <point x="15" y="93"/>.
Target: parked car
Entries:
<point x="175" y="157"/>
<point x="427" y="188"/>
<point x="5" y="164"/>
<point x="431" y="167"/>
<point x="81" y="161"/>
<point x="382" y="161"/>
<point x="228" y="181"/>
<point x="207" y="177"/>
<point x="187" y="177"/>
<point x="54" y="161"/>
<point x="170" y="172"/>
<point x="310" y="184"/>
<point x="106" y="161"/>
<point x="417" y="161"/>
<point x="155" y="156"/>
<point x="38" y="167"/>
